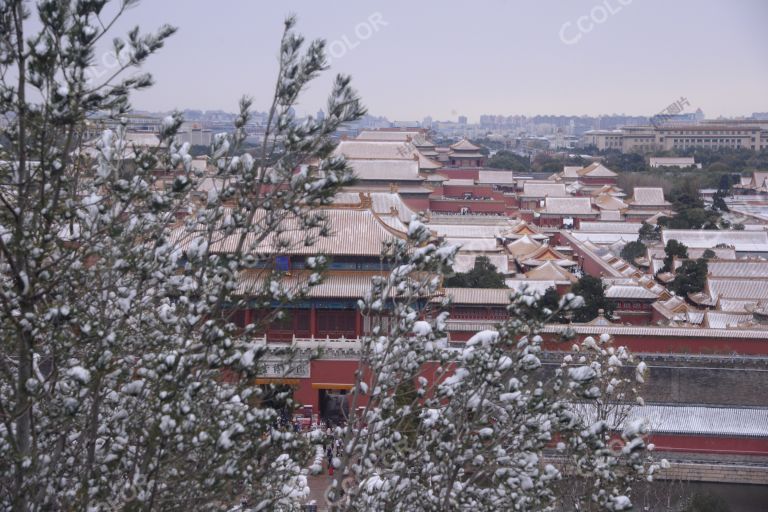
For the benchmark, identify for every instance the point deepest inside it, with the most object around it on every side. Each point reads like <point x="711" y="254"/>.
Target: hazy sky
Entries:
<point x="415" y="58"/>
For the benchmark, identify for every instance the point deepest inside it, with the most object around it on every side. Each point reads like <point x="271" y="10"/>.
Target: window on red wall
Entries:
<point x="294" y="323"/>
<point x="236" y="316"/>
<point x="301" y="320"/>
<point x="461" y="313"/>
<point x="336" y="323"/>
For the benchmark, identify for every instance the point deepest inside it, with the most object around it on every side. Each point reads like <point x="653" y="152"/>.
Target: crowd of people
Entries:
<point x="332" y="444"/>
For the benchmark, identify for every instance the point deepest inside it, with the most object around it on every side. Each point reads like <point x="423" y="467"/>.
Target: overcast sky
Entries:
<point x="447" y="58"/>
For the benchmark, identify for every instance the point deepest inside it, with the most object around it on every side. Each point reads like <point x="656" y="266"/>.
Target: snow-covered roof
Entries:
<point x="353" y="232"/>
<point x="742" y="241"/>
<point x="597" y="170"/>
<point x="375" y="149"/>
<point x="738" y="268"/>
<point x="541" y="189"/>
<point x="651" y="330"/>
<point x="604" y="238"/>
<point x="386" y="170"/>
<point x="334" y="285"/>
<point x="537" y="285"/>
<point x="468" y="230"/>
<point x="629" y="292"/>
<point x="546" y="253"/>
<point x="381" y="202"/>
<point x="695" y="419"/>
<point x="568" y="205"/>
<point x="499" y="177"/>
<point x="648" y="196"/>
<point x="484" y="296"/>
<point x="722" y="320"/>
<point x="610" y="215"/>
<point x="737" y="288"/>
<point x="608" y="202"/>
<point x="696" y="252"/>
<point x="464" y="145"/>
<point x="523" y="246"/>
<point x="742" y="306"/>
<point x="609" y="227"/>
<point x="571" y="171"/>
<point x="550" y="271"/>
<point x="679" y="419"/>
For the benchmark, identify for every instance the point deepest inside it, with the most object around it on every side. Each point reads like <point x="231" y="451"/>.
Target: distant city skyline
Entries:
<point x="411" y="60"/>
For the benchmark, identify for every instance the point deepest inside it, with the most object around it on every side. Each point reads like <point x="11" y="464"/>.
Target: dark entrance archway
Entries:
<point x="334" y="405"/>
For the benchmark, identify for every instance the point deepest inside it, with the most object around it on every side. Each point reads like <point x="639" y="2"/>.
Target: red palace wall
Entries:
<point x="588" y="264"/>
<point x="658" y="344"/>
<point x="325" y="371"/>
<point x="676" y="344"/>
<point x="460" y="174"/>
<point x="527" y="216"/>
<point x="475" y="190"/>
<point x="558" y="221"/>
<point x="710" y="444"/>
<point x="342" y="372"/>
<point x="511" y="201"/>
<point x="419" y="204"/>
<point x="632" y="317"/>
<point x="455" y="206"/>
<point x="598" y="181"/>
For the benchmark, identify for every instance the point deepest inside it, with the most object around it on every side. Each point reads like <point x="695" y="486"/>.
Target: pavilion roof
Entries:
<point x="464" y="145"/>
<point x="596" y="170"/>
<point x="479" y="296"/>
<point x="353" y="232"/>
<point x="334" y="285"/>
<point x="550" y="271"/>
<point x="649" y="196"/>
<point x="568" y="205"/>
<point x="499" y="177"/>
<point x="386" y="170"/>
<point x="382" y="203"/>
<point x="523" y="246"/>
<point x="741" y="241"/>
<point x="544" y="254"/>
<point x="608" y="202"/>
<point x="543" y="189"/>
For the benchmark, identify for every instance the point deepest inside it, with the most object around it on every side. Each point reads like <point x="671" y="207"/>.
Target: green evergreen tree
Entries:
<point x="649" y="233"/>
<point x="672" y="250"/>
<point x="549" y="305"/>
<point x="591" y="289"/>
<point x="482" y="275"/>
<point x="691" y="277"/>
<point x="633" y="250"/>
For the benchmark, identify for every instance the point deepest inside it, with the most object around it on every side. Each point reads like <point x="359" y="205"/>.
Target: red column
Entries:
<point x="313" y="322"/>
<point x="358" y="323"/>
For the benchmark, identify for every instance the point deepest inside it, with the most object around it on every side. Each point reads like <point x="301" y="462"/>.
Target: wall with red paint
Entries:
<point x="329" y="371"/>
<point x="710" y="444"/>
<point x="459" y="190"/>
<point x="461" y="174"/>
<point x="677" y="344"/>
<point x="455" y="206"/>
<point x="418" y="204"/>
